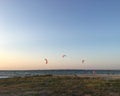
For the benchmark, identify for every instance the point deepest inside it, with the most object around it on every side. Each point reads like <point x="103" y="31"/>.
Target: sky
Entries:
<point x="32" y="30"/>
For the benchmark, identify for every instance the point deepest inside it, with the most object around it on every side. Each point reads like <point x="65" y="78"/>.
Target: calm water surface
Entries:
<point x="13" y="73"/>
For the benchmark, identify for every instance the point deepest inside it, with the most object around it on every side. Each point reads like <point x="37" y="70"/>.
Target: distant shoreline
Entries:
<point x="105" y="76"/>
<point x="60" y="69"/>
<point x="82" y="73"/>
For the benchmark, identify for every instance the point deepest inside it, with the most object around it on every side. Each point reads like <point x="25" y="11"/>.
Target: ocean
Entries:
<point x="21" y="73"/>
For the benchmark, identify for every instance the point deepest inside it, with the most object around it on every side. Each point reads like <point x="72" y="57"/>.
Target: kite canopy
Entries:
<point x="83" y="61"/>
<point x="63" y="56"/>
<point x="46" y="61"/>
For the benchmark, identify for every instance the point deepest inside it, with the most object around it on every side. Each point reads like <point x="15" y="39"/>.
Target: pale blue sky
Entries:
<point x="31" y="30"/>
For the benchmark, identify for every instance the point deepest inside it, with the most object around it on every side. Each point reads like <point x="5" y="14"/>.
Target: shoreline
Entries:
<point x="105" y="76"/>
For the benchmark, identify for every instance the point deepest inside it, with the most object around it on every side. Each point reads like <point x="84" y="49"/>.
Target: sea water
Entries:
<point x="20" y="73"/>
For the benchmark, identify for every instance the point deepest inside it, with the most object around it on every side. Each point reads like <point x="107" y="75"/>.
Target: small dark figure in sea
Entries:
<point x="93" y="72"/>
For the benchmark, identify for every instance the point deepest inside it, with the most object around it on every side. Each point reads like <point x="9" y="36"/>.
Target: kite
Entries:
<point x="63" y="56"/>
<point x="83" y="61"/>
<point x="46" y="61"/>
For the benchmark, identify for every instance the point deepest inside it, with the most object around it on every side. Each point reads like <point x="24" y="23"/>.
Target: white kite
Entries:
<point x="46" y="61"/>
